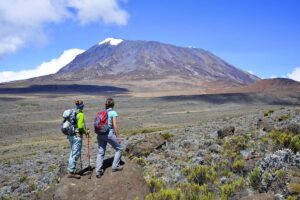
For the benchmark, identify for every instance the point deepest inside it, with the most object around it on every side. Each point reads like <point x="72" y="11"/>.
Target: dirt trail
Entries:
<point x="126" y="184"/>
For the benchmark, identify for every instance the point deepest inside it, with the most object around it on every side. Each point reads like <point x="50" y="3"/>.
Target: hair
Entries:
<point x="110" y="103"/>
<point x="78" y="102"/>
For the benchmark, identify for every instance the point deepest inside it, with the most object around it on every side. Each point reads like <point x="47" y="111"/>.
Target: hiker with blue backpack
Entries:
<point x="74" y="127"/>
<point x="106" y="128"/>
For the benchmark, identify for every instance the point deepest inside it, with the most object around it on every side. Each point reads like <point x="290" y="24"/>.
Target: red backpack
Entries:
<point x="101" y="122"/>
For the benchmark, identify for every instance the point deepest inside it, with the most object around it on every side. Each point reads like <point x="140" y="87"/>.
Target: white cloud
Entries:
<point x="107" y="11"/>
<point x="23" y="22"/>
<point x="295" y="74"/>
<point x="45" y="68"/>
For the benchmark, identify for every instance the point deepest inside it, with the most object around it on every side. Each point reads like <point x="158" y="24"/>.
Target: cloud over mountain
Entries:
<point x="45" y="68"/>
<point x="24" y="22"/>
<point x="295" y="74"/>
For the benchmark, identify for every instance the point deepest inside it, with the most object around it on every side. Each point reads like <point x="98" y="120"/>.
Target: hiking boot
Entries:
<point x="73" y="175"/>
<point x="99" y="174"/>
<point x="118" y="168"/>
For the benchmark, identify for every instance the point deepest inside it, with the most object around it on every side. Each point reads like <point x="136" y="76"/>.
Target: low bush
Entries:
<point x="140" y="161"/>
<point x="167" y="136"/>
<point x="165" y="194"/>
<point x="283" y="118"/>
<point x="267" y="113"/>
<point x="294" y="188"/>
<point x="295" y="143"/>
<point x="155" y="185"/>
<point x="281" y="138"/>
<point x="228" y="190"/>
<point x="194" y="191"/>
<point x="254" y="178"/>
<point x="238" y="165"/>
<point x="286" y="140"/>
<point x="201" y="174"/>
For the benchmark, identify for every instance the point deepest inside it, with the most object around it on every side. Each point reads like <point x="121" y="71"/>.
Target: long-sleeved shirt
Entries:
<point x="80" y="122"/>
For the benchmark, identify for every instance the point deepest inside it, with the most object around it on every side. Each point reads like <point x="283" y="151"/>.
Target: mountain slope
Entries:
<point x="275" y="85"/>
<point x="143" y="60"/>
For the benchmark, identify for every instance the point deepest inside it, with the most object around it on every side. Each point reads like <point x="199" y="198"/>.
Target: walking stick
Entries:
<point x="89" y="168"/>
<point x="89" y="154"/>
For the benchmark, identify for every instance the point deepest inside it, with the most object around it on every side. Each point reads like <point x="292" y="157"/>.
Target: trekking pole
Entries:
<point x="89" y="155"/>
<point x="80" y="162"/>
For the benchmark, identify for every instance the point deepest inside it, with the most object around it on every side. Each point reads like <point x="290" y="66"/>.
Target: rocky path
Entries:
<point x="127" y="184"/>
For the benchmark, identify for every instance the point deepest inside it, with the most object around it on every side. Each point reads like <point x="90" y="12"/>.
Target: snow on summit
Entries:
<point x="111" y="41"/>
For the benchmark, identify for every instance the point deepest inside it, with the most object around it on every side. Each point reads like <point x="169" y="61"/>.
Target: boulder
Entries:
<point x="146" y="145"/>
<point x="266" y="124"/>
<point x="227" y="131"/>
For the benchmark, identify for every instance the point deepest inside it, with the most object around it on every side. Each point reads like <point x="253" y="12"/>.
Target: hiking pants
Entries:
<point x="103" y="139"/>
<point x="76" y="144"/>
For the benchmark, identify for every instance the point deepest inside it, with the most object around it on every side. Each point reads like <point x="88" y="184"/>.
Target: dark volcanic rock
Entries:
<point x="266" y="124"/>
<point x="145" y="146"/>
<point x="226" y="132"/>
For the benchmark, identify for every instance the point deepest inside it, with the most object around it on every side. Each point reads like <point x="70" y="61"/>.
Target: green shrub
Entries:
<point x="228" y="190"/>
<point x="165" y="194"/>
<point x="295" y="143"/>
<point x="193" y="191"/>
<point x="52" y="167"/>
<point x="167" y="136"/>
<point x="281" y="138"/>
<point x="232" y="146"/>
<point x="266" y="176"/>
<point x="140" y="161"/>
<point x="291" y="198"/>
<point x="281" y="174"/>
<point x="267" y="113"/>
<point x="201" y="174"/>
<point x="32" y="186"/>
<point x="238" y="165"/>
<point x="294" y="188"/>
<point x="23" y="178"/>
<point x="254" y="178"/>
<point x="155" y="185"/>
<point x="283" y="118"/>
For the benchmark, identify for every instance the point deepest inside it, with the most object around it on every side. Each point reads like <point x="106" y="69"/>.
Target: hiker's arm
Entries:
<point x="115" y="126"/>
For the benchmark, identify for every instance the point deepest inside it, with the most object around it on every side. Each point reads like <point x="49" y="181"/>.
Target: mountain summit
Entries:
<point x="117" y="59"/>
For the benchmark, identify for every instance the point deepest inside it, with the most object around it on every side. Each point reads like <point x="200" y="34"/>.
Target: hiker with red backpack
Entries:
<point x="106" y="128"/>
<point x="74" y="127"/>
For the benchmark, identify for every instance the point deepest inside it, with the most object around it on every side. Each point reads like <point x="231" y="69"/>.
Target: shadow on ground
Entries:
<point x="65" y="89"/>
<point x="240" y="98"/>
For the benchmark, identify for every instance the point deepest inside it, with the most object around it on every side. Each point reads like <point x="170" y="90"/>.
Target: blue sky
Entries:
<point x="261" y="36"/>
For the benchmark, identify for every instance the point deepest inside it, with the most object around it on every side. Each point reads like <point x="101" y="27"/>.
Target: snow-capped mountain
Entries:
<point x="148" y="60"/>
